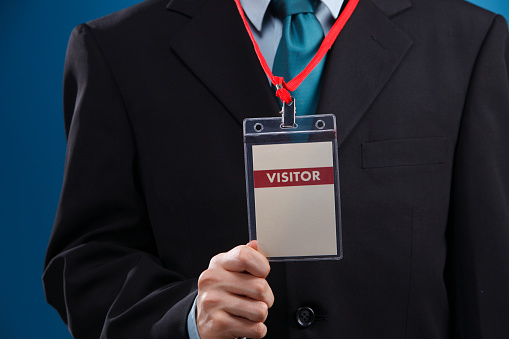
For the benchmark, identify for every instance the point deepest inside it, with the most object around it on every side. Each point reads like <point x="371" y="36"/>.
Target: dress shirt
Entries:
<point x="267" y="31"/>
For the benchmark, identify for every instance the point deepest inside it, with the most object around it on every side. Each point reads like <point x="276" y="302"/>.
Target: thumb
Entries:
<point x="253" y="244"/>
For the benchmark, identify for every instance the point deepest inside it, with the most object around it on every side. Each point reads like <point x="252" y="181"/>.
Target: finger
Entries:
<point x="247" y="308"/>
<point x="225" y="325"/>
<point x="244" y="284"/>
<point x="243" y="328"/>
<point x="243" y="259"/>
<point x="253" y="244"/>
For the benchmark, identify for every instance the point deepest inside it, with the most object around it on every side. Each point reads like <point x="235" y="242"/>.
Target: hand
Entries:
<point x="233" y="295"/>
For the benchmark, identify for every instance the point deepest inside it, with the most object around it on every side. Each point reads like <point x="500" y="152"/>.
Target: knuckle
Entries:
<point x="267" y="269"/>
<point x="259" y="330"/>
<point x="260" y="288"/>
<point x="270" y="301"/>
<point x="216" y="259"/>
<point x="207" y="300"/>
<point x="269" y="297"/>
<point x="214" y="324"/>
<point x="261" y="312"/>
<point x="206" y="278"/>
<point x="243" y="254"/>
<point x="220" y="322"/>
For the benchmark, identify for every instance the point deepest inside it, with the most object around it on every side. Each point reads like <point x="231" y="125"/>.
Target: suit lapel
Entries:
<point x="217" y="49"/>
<point x="361" y="62"/>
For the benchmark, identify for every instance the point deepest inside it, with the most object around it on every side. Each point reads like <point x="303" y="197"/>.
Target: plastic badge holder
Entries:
<point x="292" y="182"/>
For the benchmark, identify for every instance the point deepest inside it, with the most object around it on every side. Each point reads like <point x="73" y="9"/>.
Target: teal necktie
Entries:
<point x="301" y="38"/>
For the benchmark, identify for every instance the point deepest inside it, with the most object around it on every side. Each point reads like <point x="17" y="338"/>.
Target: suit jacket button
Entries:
<point x="305" y="316"/>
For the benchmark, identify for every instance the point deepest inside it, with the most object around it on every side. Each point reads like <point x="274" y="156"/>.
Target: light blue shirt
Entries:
<point x="192" y="329"/>
<point x="267" y="31"/>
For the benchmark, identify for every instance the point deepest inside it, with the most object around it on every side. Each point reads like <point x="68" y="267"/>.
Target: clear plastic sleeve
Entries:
<point x="292" y="184"/>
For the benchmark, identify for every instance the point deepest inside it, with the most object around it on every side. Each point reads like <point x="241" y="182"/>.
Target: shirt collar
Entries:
<point x="255" y="10"/>
<point x="334" y="7"/>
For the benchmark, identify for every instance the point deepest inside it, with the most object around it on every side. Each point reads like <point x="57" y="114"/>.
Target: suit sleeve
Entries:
<point x="102" y="273"/>
<point x="479" y="250"/>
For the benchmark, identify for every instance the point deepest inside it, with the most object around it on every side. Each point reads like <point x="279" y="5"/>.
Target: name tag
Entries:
<point x="293" y="188"/>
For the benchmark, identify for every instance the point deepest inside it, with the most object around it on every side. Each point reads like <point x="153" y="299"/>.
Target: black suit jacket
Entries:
<point x="154" y="185"/>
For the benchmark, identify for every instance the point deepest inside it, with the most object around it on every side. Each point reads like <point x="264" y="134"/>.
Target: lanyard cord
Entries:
<point x="283" y="89"/>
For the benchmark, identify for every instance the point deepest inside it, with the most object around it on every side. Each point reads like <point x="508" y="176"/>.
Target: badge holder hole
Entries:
<point x="258" y="127"/>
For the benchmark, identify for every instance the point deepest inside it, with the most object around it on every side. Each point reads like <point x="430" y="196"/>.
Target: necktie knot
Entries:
<point x="300" y="40"/>
<point x="284" y="8"/>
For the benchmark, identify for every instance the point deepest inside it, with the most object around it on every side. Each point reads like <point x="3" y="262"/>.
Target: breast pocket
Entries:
<point x="404" y="152"/>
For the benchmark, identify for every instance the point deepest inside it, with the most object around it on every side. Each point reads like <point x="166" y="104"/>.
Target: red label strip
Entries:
<point x="294" y="177"/>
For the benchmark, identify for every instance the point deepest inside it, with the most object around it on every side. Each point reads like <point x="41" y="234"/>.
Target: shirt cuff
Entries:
<point x="192" y="329"/>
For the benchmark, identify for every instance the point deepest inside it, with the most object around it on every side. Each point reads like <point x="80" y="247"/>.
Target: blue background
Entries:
<point x="33" y="40"/>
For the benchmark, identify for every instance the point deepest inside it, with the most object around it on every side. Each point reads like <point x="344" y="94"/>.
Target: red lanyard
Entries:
<point x="284" y="88"/>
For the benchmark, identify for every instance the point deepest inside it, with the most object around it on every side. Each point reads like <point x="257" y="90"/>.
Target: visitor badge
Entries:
<point x="292" y="182"/>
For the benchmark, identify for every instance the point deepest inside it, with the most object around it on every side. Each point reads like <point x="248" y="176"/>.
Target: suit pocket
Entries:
<point x="404" y="152"/>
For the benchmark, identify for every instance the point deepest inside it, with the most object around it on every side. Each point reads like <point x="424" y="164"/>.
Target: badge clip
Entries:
<point x="288" y="115"/>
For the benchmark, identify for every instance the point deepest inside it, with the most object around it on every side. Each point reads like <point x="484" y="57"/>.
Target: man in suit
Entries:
<point x="154" y="180"/>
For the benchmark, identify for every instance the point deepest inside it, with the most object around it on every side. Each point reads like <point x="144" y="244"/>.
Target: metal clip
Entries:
<point x="288" y="114"/>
